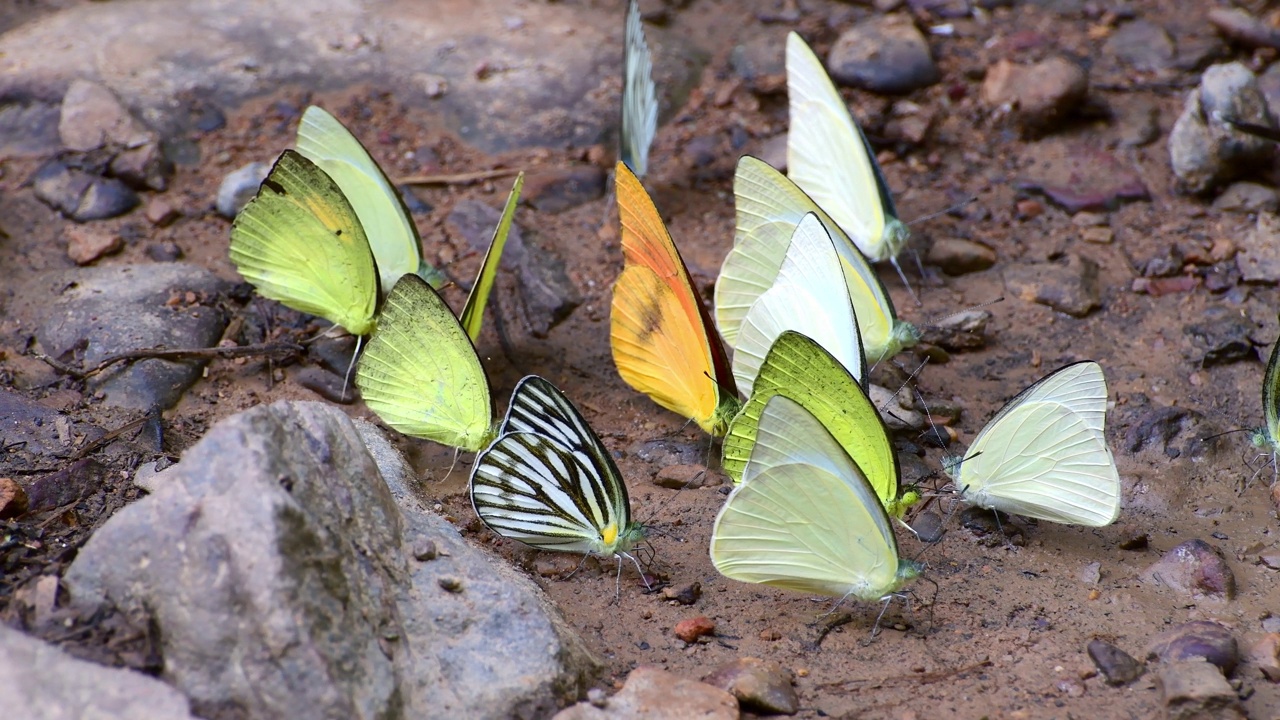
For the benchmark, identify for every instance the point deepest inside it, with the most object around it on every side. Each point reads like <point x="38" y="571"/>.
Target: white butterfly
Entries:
<point x="1045" y="455"/>
<point x="639" y="97"/>
<point x="769" y="207"/>
<point x="829" y="157"/>
<point x="809" y="296"/>
<point x="548" y="482"/>
<point x="804" y="517"/>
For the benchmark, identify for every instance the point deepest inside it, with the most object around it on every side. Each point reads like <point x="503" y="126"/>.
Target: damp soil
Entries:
<point x="1000" y="624"/>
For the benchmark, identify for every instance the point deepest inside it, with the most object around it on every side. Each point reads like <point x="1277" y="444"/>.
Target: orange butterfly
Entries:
<point x="663" y="341"/>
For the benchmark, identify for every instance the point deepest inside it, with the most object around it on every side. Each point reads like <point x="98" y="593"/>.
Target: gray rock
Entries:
<point x="555" y="191"/>
<point x="1139" y="123"/>
<point x="239" y="187"/>
<point x="758" y="56"/>
<point x="43" y="683"/>
<point x="548" y="295"/>
<point x="525" y="97"/>
<point x="81" y="195"/>
<point x="1117" y="666"/>
<point x="33" y="431"/>
<point x="1259" y="256"/>
<point x="92" y="117"/>
<point x="1195" y="690"/>
<point x="965" y="330"/>
<point x="1081" y="177"/>
<point x="1036" y="97"/>
<point x="1142" y="45"/>
<point x="896" y="409"/>
<point x="761" y="686"/>
<point x="928" y="527"/>
<point x="474" y="222"/>
<point x="667" y="451"/>
<point x="1155" y="429"/>
<point x="330" y="386"/>
<point x="1195" y="569"/>
<point x="1199" y="639"/>
<point x="654" y="694"/>
<point x="85" y="244"/>
<point x="1247" y="197"/>
<point x="885" y="54"/>
<point x="28" y="128"/>
<point x="97" y="312"/>
<point x="275" y="541"/>
<point x="1070" y="287"/>
<point x="1221" y="336"/>
<point x="956" y="256"/>
<point x="1204" y="149"/>
<point x="1269" y="84"/>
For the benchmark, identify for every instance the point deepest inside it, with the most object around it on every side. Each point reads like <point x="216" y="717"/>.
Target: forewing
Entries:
<point x="826" y="154"/>
<point x="420" y="373"/>
<point x="808" y="296"/>
<point x="639" y="96"/>
<point x="392" y="234"/>
<point x="472" y="317"/>
<point x="300" y="242"/>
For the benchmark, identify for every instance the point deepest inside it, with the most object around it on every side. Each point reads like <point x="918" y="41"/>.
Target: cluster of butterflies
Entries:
<point x="816" y="479"/>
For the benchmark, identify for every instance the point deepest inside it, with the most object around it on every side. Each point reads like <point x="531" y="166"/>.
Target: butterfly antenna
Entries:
<point x="1222" y="434"/>
<point x="910" y="290"/>
<point x="346" y="380"/>
<point x="910" y="377"/>
<point x="963" y="203"/>
<point x="929" y="414"/>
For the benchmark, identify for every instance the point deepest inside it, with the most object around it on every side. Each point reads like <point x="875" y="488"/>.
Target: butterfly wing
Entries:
<point x="801" y="370"/>
<point x="420" y="373"/>
<point x="1045" y="455"/>
<point x="547" y="481"/>
<point x="472" y="317"/>
<point x="639" y="97"/>
<point x="661" y="334"/>
<point x="392" y="235"/>
<point x="804" y="517"/>
<point x="1268" y="436"/>
<point x="828" y="156"/>
<point x="769" y="207"/>
<point x="810" y="297"/>
<point x="300" y="242"/>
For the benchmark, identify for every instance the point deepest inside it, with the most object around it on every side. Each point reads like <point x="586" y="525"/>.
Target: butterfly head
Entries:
<point x="908" y="570"/>
<point x="897" y="507"/>
<point x="616" y="541"/>
<point x="896" y="235"/>
<point x="1261" y="437"/>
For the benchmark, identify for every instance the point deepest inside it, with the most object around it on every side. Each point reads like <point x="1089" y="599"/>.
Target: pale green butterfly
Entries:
<point x="1267" y="437"/>
<point x="802" y="370"/>
<point x="391" y="232"/>
<point x="1045" y="455"/>
<point x="829" y="156"/>
<point x="639" y="96"/>
<point x="769" y="207"/>
<point x="805" y="518"/>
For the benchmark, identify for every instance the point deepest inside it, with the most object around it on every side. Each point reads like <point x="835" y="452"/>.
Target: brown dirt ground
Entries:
<point x="1006" y="633"/>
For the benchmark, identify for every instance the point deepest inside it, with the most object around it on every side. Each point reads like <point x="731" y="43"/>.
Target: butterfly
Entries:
<point x="299" y="241"/>
<point x="809" y="296"/>
<point x="803" y="371"/>
<point x="1267" y="437"/>
<point x="639" y="97"/>
<point x="663" y="341"/>
<point x="420" y="372"/>
<point x="391" y="232"/>
<point x="829" y="157"/>
<point x="1044" y="455"/>
<point x="547" y="480"/>
<point x="805" y="517"/>
<point x="769" y="207"/>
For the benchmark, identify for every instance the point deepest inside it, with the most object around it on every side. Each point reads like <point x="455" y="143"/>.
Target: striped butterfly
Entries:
<point x="548" y="482"/>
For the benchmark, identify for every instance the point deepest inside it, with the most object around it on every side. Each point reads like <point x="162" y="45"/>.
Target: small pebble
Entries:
<point x="450" y="584"/>
<point x="689" y="630"/>
<point x="1196" y="569"/>
<point x="239" y="187"/>
<point x="424" y="549"/>
<point x="13" y="499"/>
<point x="160" y="213"/>
<point x="1036" y="96"/>
<point x="687" y="595"/>
<point x="958" y="257"/>
<point x="1116" y="665"/>
<point x="1197" y="639"/>
<point x="165" y="251"/>
<point x="333" y="388"/>
<point x="928" y="527"/>
<point x="1265" y="655"/>
<point x="1195" y="689"/>
<point x="761" y="686"/>
<point x="86" y="244"/>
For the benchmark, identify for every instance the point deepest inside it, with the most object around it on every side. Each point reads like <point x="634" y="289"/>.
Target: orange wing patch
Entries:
<point x="663" y="341"/>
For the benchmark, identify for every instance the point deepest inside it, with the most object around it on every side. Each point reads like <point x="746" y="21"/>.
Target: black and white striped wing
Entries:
<point x="547" y="481"/>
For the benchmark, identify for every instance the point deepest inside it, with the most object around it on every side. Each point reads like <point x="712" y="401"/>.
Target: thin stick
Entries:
<point x="456" y="178"/>
<point x="270" y="350"/>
